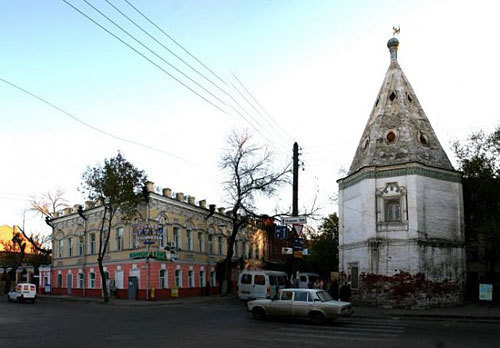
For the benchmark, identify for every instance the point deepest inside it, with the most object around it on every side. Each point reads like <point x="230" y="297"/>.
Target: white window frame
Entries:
<point x="189" y="239"/>
<point x="61" y="246"/>
<point x="92" y="243"/>
<point x="176" y="237"/>
<point x="220" y="245"/>
<point x="210" y="244"/>
<point x="81" y="280"/>
<point x="70" y="247"/>
<point x="212" y="278"/>
<point x="201" y="247"/>
<point x="191" y="281"/>
<point x="178" y="278"/>
<point x="119" y="238"/>
<point x="202" y="278"/>
<point x="81" y="246"/>
<point x="92" y="280"/>
<point x="164" y="278"/>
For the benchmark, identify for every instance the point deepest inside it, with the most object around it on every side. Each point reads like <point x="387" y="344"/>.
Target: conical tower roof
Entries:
<point x="398" y="130"/>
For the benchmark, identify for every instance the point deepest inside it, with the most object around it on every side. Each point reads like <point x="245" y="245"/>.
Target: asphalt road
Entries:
<point x="220" y="323"/>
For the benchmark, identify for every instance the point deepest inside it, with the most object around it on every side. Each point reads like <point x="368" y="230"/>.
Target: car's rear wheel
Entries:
<point x="317" y="318"/>
<point x="258" y="313"/>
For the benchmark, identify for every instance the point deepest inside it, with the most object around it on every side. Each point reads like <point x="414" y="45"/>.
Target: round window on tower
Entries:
<point x="391" y="137"/>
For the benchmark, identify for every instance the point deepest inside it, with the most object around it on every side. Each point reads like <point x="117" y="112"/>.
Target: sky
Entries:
<point x="314" y="67"/>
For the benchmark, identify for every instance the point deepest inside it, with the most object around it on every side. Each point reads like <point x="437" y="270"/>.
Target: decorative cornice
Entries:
<point x="416" y="169"/>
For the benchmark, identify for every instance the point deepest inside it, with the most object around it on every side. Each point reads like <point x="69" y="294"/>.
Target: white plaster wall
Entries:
<point x="434" y="210"/>
<point x="440" y="208"/>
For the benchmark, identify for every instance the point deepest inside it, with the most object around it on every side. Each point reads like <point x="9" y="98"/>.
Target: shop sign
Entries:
<point x="148" y="234"/>
<point x="486" y="292"/>
<point x="174" y="292"/>
<point x="159" y="255"/>
<point x="139" y="255"/>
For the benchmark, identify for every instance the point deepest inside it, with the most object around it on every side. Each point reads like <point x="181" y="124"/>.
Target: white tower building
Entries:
<point x="401" y="206"/>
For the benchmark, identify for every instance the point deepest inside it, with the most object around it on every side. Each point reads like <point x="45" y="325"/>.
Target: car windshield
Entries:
<point x="324" y="296"/>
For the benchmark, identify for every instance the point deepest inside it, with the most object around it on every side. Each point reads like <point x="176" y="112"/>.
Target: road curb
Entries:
<point x="434" y="317"/>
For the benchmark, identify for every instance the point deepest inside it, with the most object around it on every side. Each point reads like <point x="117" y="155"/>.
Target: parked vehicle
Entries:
<point x="315" y="304"/>
<point x="305" y="280"/>
<point x="23" y="292"/>
<point x="260" y="284"/>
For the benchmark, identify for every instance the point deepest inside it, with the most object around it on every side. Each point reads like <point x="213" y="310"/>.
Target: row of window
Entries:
<point x="163" y="279"/>
<point x="215" y="244"/>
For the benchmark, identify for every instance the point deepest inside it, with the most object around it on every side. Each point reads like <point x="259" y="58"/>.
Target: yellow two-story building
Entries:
<point x="171" y="248"/>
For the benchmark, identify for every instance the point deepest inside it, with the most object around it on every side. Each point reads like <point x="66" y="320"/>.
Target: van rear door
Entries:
<point x="245" y="286"/>
<point x="260" y="286"/>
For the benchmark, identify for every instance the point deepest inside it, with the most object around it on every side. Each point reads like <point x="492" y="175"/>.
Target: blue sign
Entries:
<point x="281" y="232"/>
<point x="298" y="244"/>
<point x="148" y="234"/>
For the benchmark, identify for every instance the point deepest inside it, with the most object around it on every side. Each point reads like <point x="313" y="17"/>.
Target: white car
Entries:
<point x="23" y="292"/>
<point x="314" y="304"/>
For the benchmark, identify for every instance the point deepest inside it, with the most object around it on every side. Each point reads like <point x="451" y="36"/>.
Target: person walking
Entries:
<point x="345" y="292"/>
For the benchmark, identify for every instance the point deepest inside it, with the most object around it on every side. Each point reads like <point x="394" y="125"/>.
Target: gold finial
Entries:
<point x="395" y="30"/>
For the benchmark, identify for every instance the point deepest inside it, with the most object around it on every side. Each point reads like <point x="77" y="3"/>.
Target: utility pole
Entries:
<point x="295" y="184"/>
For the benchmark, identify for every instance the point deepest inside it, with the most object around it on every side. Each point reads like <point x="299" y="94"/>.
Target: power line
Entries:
<point x="156" y="54"/>
<point x="176" y="42"/>
<point x="97" y="129"/>
<point x="186" y="63"/>
<point x="143" y="56"/>
<point x="255" y="100"/>
<point x="135" y="50"/>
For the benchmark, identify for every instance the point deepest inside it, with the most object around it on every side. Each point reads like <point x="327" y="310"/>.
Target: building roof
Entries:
<point x="398" y="130"/>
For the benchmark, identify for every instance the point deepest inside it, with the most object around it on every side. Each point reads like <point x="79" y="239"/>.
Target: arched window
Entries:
<point x="163" y="279"/>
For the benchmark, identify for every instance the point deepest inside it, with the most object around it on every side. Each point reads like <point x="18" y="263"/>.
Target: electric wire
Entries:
<point x="189" y="65"/>
<point x="176" y="42"/>
<point x="88" y="125"/>
<point x="265" y="111"/>
<point x="156" y="54"/>
<point x="145" y="57"/>
<point x="135" y="50"/>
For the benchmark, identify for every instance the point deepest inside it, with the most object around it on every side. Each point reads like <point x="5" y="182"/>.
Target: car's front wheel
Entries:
<point x="317" y="318"/>
<point x="258" y="313"/>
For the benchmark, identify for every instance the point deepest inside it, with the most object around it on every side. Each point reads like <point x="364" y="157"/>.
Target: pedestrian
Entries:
<point x="316" y="284"/>
<point x="334" y="289"/>
<point x="321" y="284"/>
<point x="345" y="292"/>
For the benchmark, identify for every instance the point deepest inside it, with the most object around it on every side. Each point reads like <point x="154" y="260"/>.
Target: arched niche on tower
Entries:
<point x="391" y="207"/>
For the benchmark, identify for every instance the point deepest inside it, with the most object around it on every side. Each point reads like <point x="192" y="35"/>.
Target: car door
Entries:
<point x="282" y="306"/>
<point x="302" y="304"/>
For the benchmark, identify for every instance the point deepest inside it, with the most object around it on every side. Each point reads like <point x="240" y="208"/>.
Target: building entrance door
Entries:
<point x="70" y="283"/>
<point x="132" y="288"/>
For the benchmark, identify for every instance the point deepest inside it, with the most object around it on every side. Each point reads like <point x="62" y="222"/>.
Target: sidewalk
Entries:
<point x="470" y="311"/>
<point x="137" y="303"/>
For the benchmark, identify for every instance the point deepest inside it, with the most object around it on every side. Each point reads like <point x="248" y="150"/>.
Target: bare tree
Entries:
<point x="117" y="184"/>
<point x="38" y="242"/>
<point x="17" y="241"/>
<point x="49" y="203"/>
<point x="249" y="173"/>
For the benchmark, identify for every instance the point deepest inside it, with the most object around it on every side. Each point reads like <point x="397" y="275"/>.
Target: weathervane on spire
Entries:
<point x="395" y="30"/>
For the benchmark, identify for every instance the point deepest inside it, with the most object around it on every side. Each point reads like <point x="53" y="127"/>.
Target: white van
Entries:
<point x="260" y="284"/>
<point x="23" y="292"/>
<point x="305" y="280"/>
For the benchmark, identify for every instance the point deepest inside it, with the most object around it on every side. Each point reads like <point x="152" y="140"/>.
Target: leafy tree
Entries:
<point x="117" y="185"/>
<point x="324" y="246"/>
<point x="479" y="160"/>
<point x="249" y="173"/>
